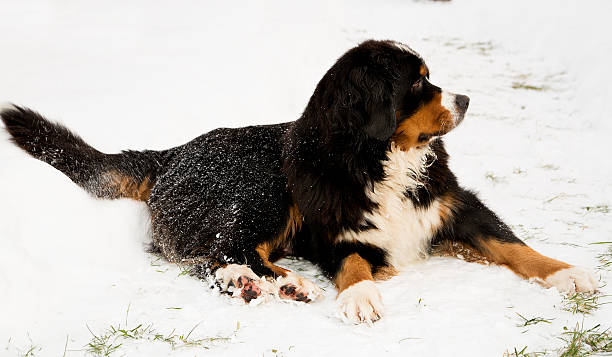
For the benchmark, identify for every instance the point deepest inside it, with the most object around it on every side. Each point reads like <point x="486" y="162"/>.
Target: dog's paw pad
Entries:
<point x="241" y="281"/>
<point x="573" y="279"/>
<point x="249" y="289"/>
<point x="291" y="292"/>
<point x="361" y="302"/>
<point x="294" y="287"/>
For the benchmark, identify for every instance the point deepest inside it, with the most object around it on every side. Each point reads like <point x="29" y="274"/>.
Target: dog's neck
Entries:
<point x="408" y="169"/>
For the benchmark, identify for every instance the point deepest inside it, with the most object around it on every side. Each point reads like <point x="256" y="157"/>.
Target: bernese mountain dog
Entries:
<point x="359" y="185"/>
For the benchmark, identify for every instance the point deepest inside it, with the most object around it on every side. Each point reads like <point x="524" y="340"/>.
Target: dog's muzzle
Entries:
<point x="456" y="104"/>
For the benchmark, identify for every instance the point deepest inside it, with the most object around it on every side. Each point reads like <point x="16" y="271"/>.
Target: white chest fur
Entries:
<point x="402" y="230"/>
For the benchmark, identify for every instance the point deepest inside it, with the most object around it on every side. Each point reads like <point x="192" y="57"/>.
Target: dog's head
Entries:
<point x="383" y="88"/>
<point x="422" y="110"/>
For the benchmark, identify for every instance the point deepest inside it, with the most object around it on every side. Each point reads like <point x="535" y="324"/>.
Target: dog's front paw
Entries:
<point x="572" y="279"/>
<point x="361" y="302"/>
<point x="241" y="281"/>
<point x="295" y="287"/>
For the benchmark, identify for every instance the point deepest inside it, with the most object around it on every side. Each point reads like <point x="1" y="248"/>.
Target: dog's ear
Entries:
<point x="376" y="93"/>
<point x="381" y="124"/>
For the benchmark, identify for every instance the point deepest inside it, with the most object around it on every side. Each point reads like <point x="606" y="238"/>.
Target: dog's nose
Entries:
<point x="462" y="102"/>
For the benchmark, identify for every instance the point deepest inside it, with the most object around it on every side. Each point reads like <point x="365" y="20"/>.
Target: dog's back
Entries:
<point x="213" y="199"/>
<point x="221" y="194"/>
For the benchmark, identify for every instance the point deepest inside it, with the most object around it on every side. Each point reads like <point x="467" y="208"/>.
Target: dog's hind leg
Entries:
<point x="261" y="276"/>
<point x="242" y="281"/>
<point x="290" y="285"/>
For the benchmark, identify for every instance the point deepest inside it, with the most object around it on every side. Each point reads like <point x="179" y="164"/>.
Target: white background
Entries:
<point x="147" y="74"/>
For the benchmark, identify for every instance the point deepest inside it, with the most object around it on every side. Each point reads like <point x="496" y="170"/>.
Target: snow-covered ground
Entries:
<point x="148" y="74"/>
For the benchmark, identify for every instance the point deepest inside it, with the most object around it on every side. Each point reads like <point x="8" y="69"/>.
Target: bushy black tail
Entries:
<point x="129" y="174"/>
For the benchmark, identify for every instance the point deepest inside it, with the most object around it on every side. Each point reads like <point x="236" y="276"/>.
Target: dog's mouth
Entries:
<point x="455" y="106"/>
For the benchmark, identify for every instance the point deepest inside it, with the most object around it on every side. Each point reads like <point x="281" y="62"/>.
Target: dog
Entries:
<point x="359" y="185"/>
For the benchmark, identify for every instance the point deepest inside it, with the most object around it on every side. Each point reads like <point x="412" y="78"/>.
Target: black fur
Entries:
<point x="221" y="195"/>
<point x="214" y="199"/>
<point x="335" y="150"/>
<point x="67" y="152"/>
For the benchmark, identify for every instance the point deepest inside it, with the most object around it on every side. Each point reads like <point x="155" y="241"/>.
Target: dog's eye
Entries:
<point x="424" y="137"/>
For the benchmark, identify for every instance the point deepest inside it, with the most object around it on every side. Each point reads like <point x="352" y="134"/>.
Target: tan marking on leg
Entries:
<point x="354" y="269"/>
<point x="144" y="190"/>
<point x="358" y="298"/>
<point x="294" y="223"/>
<point x="264" y="250"/>
<point x="123" y="186"/>
<point x="521" y="259"/>
<point x="448" y="206"/>
<point x="289" y="285"/>
<point x="458" y="250"/>
<point x="385" y="273"/>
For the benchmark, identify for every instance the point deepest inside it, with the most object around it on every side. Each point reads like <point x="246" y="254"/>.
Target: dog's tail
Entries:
<point x="129" y="174"/>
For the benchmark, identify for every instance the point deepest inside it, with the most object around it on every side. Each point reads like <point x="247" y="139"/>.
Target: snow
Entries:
<point x="154" y="75"/>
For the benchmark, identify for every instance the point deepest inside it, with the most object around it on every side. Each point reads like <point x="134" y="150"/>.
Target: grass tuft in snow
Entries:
<point x="532" y="321"/>
<point x="277" y="352"/>
<point x="583" y="303"/>
<point x="494" y="178"/>
<point x="605" y="259"/>
<point x="158" y="263"/>
<point x="523" y="85"/>
<point x="597" y="209"/>
<point x="65" y="347"/>
<point x="522" y="353"/>
<point x="185" y="270"/>
<point x="111" y="340"/>
<point x="551" y="167"/>
<point x="562" y="195"/>
<point x="483" y="48"/>
<point x="31" y="350"/>
<point x="581" y="342"/>
<point x="162" y="266"/>
<point x="103" y="345"/>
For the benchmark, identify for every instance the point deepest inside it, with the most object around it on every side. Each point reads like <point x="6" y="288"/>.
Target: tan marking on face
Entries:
<point x="354" y="269"/>
<point x="430" y="118"/>
<point x="521" y="259"/>
<point x="423" y="70"/>
<point x="265" y="249"/>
